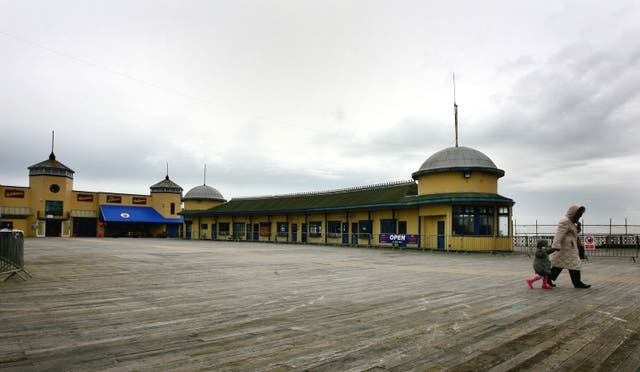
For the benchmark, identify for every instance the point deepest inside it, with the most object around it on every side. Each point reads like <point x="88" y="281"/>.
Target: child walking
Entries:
<point x="541" y="264"/>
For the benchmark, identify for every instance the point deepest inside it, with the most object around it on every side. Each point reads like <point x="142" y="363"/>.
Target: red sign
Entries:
<point x="138" y="200"/>
<point x="114" y="199"/>
<point x="13" y="193"/>
<point x="589" y="243"/>
<point x="85" y="198"/>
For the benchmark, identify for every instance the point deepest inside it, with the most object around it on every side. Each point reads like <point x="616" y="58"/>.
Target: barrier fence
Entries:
<point x="596" y="245"/>
<point x="12" y="254"/>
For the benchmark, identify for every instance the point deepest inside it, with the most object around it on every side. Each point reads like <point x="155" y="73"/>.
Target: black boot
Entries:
<point x="575" y="279"/>
<point x="555" y="271"/>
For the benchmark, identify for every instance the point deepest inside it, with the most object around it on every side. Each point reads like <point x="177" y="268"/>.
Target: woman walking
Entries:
<point x="566" y="241"/>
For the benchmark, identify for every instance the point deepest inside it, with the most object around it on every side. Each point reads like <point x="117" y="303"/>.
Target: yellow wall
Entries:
<point x="161" y="202"/>
<point x="39" y="193"/>
<point x="15" y="202"/>
<point x="436" y="183"/>
<point x="84" y="205"/>
<point x="199" y="205"/>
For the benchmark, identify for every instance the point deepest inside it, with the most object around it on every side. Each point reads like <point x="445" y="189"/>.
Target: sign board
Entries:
<point x="138" y="200"/>
<point x="85" y="198"/>
<point x="589" y="243"/>
<point x="402" y="239"/>
<point x="114" y="199"/>
<point x="13" y="193"/>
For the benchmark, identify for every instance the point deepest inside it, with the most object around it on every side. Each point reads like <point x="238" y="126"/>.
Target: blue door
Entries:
<point x="440" y="234"/>
<point x="187" y="230"/>
<point x="172" y="230"/>
<point x="248" y="231"/>
<point x="214" y="231"/>
<point x="354" y="233"/>
<point x="304" y="232"/>
<point x="256" y="231"/>
<point x="345" y="233"/>
<point x="294" y="232"/>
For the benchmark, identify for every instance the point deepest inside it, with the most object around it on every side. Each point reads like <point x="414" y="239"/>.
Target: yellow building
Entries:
<point x="452" y="203"/>
<point x="51" y="207"/>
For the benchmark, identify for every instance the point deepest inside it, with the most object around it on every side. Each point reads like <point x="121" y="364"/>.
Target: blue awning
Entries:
<point x="119" y="213"/>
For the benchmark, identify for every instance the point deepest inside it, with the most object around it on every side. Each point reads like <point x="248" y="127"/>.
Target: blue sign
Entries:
<point x="402" y="239"/>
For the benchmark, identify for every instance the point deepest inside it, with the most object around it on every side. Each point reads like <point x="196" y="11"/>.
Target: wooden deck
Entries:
<point x="153" y="304"/>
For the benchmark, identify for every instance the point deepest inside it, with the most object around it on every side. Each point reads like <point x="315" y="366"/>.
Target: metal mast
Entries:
<point x="455" y="107"/>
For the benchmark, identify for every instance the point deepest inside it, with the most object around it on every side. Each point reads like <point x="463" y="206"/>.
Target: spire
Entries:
<point x="52" y="156"/>
<point x="455" y="107"/>
<point x="167" y="176"/>
<point x="205" y="175"/>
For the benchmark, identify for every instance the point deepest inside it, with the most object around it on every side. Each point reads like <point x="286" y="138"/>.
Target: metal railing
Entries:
<point x="12" y="254"/>
<point x="604" y="245"/>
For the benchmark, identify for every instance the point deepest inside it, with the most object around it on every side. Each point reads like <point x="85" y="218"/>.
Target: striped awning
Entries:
<point x="78" y="213"/>
<point x="15" y="212"/>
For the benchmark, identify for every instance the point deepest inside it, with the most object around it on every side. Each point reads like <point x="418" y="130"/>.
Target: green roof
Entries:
<point x="387" y="195"/>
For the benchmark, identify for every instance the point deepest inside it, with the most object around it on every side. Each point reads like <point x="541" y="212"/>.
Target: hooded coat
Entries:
<point x="541" y="264"/>
<point x="565" y="241"/>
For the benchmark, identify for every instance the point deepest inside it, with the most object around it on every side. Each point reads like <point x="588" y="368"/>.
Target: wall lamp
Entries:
<point x="467" y="174"/>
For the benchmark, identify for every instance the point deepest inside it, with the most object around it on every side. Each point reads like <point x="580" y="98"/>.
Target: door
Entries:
<point x="187" y="234"/>
<point x="214" y="231"/>
<point x="248" y="231"/>
<point x="440" y="234"/>
<point x="345" y="233"/>
<point x="85" y="227"/>
<point x="256" y="231"/>
<point x="41" y="227"/>
<point x="354" y="233"/>
<point x="294" y="232"/>
<point x="365" y="230"/>
<point x="53" y="228"/>
<point x="304" y="232"/>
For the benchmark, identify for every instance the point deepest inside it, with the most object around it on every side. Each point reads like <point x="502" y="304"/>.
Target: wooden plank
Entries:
<point x="144" y="304"/>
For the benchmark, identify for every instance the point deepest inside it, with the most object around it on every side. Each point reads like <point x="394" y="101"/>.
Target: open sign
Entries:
<point x="401" y="239"/>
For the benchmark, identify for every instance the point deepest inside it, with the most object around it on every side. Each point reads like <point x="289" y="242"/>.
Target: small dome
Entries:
<point x="203" y="192"/>
<point x="51" y="167"/>
<point x="458" y="159"/>
<point x="166" y="186"/>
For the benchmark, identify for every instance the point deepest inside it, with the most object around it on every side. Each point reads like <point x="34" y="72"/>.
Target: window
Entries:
<point x="53" y="207"/>
<point x="388" y="226"/>
<point x="402" y="227"/>
<point x="485" y="220"/>
<point x="204" y="226"/>
<point x="315" y="228"/>
<point x="238" y="229"/>
<point x="265" y="228"/>
<point x="472" y="220"/>
<point x="173" y="208"/>
<point x="503" y="221"/>
<point x="223" y="228"/>
<point x="365" y="227"/>
<point x="283" y="228"/>
<point x="333" y="228"/>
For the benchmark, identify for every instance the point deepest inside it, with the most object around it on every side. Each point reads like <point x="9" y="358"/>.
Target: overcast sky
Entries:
<point x="293" y="96"/>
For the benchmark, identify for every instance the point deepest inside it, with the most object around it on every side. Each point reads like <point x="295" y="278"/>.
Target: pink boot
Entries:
<point x="535" y="278"/>
<point x="545" y="285"/>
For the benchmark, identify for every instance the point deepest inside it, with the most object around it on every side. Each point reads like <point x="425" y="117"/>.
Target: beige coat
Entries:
<point x="565" y="241"/>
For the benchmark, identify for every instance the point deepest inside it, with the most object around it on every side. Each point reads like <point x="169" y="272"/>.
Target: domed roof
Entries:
<point x="458" y="159"/>
<point x="166" y="186"/>
<point x="51" y="167"/>
<point x="203" y="192"/>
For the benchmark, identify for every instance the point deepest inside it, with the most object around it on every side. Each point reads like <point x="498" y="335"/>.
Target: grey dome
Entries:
<point x="203" y="192"/>
<point x="166" y="186"/>
<point x="458" y="159"/>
